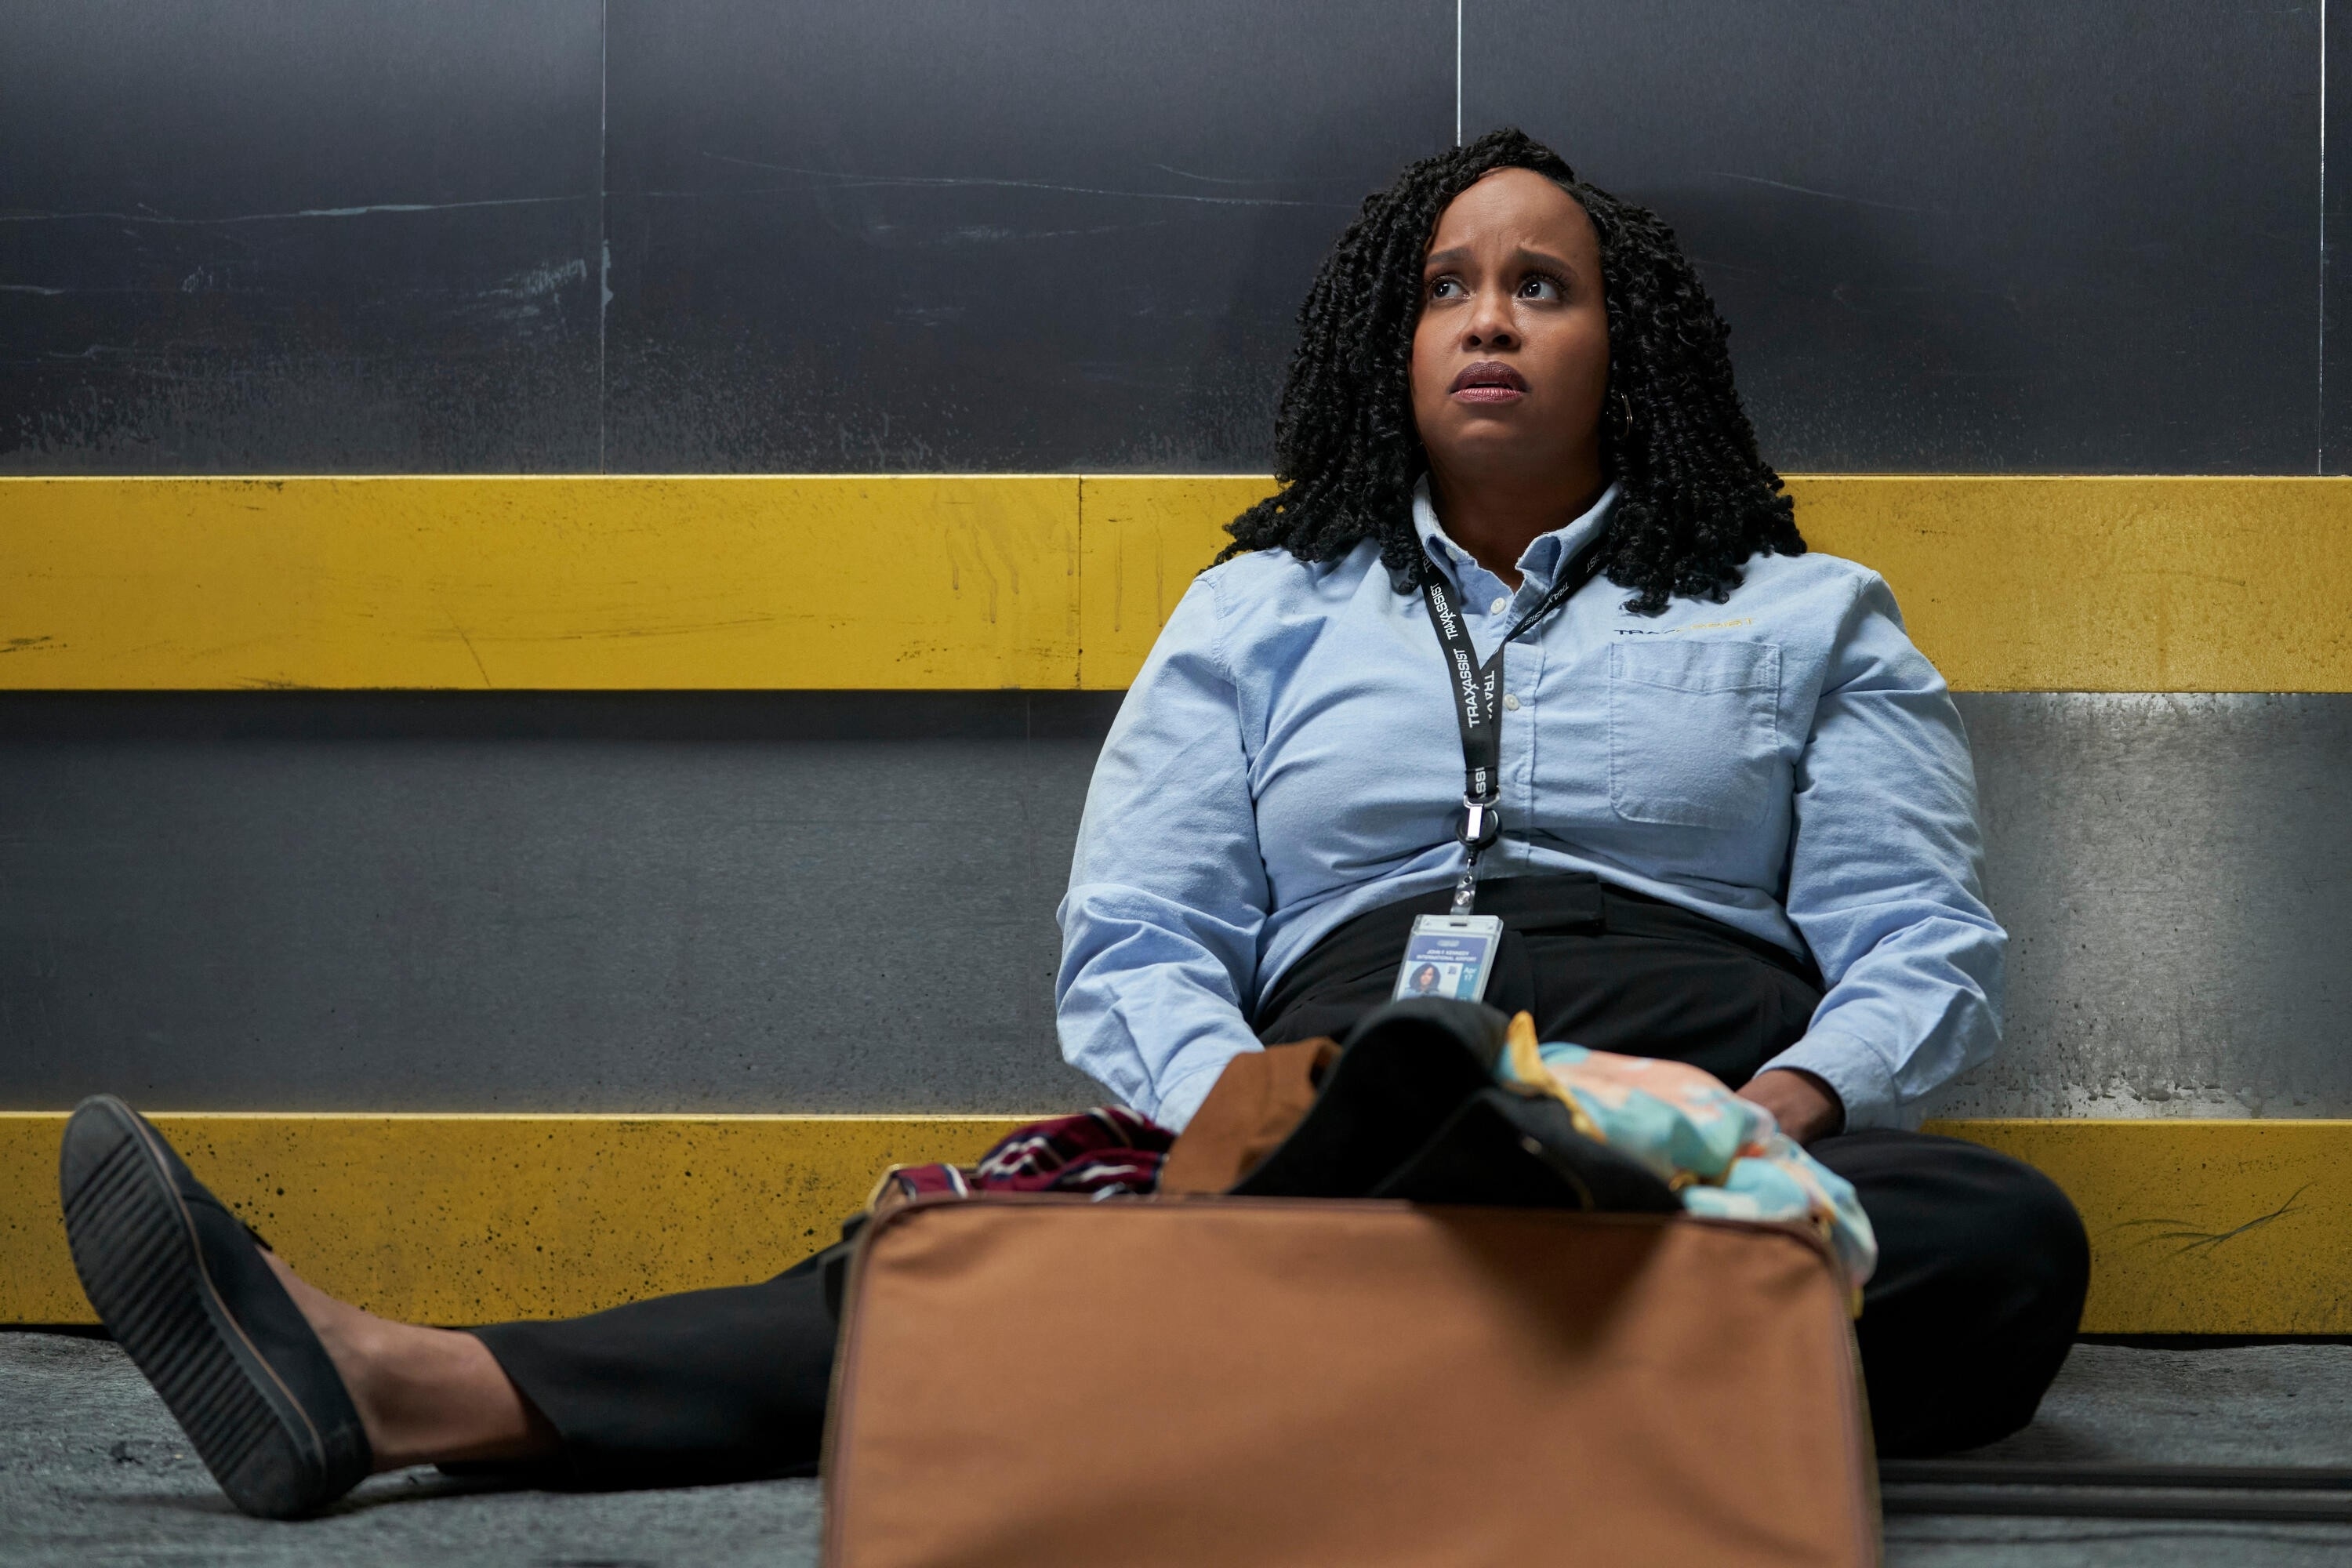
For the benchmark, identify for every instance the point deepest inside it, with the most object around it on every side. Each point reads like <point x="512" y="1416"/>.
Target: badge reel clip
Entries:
<point x="1480" y="826"/>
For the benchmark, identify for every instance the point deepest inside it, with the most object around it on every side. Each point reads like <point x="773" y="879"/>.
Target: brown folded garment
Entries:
<point x="1257" y="1100"/>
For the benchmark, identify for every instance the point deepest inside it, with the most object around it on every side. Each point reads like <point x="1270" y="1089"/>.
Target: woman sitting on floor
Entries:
<point x="1738" y="830"/>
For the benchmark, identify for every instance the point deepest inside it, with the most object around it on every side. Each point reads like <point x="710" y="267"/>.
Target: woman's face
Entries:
<point x="1510" y="357"/>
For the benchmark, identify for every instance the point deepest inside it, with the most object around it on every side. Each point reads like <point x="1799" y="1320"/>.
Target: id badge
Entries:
<point x="1449" y="956"/>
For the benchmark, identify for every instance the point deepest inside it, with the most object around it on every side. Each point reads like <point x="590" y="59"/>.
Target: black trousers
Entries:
<point x="1982" y="1261"/>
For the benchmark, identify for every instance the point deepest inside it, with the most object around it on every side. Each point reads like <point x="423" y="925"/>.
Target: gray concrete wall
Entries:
<point x="803" y="903"/>
<point x="2176" y="875"/>
<point x="833" y="903"/>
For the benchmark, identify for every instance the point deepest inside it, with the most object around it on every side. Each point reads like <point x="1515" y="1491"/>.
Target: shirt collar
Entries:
<point x="1541" y="560"/>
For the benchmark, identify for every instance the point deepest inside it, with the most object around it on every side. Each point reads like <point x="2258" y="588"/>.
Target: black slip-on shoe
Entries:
<point x="1512" y="1151"/>
<point x="1402" y="1071"/>
<point x="182" y="1286"/>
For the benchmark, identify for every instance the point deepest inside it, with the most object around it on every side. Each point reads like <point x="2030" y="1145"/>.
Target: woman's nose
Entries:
<point x="1490" y="324"/>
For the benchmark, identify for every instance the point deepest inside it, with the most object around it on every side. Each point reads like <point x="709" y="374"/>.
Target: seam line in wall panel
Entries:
<point x="2319" y="458"/>
<point x="603" y="187"/>
<point x="1457" y="70"/>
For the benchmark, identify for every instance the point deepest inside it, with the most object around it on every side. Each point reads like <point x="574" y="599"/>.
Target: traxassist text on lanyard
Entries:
<point x="1476" y="694"/>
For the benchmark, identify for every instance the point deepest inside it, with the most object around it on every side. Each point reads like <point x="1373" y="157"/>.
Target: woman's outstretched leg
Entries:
<point x="291" y="1397"/>
<point x="707" y="1385"/>
<point x="425" y="1396"/>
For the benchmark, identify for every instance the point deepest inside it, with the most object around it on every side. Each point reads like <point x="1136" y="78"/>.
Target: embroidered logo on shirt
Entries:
<point x="1678" y="631"/>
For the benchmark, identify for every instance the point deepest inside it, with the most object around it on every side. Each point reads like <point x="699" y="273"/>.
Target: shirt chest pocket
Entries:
<point x="1694" y="731"/>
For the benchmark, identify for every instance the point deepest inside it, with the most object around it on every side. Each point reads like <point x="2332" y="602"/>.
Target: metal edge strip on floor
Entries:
<point x="2114" y="1476"/>
<point x="2107" y="1502"/>
<point x="2197" y="1227"/>
<point x="967" y="581"/>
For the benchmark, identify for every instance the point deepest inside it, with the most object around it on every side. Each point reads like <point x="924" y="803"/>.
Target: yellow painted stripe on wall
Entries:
<point x="945" y="582"/>
<point x="2196" y="1227"/>
<point x="2107" y="585"/>
<point x="1143" y="539"/>
<point x="478" y="1219"/>
<point x="549" y="583"/>
<point x="2200" y="1227"/>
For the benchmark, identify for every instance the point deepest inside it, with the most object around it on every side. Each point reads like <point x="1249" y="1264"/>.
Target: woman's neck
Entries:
<point x="1497" y="522"/>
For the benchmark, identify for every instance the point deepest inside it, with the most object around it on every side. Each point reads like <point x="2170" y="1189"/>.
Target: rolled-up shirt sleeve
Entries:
<point x="1168" y="892"/>
<point x="1887" y="878"/>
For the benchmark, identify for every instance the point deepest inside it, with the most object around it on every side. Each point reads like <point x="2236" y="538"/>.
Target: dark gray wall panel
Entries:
<point x="2336" y="395"/>
<point x="992" y="234"/>
<point x="298" y="235"/>
<point x="845" y="902"/>
<point x="2004" y="235"/>
<point x="340" y="234"/>
<point x="798" y="903"/>
<point x="2176" y="873"/>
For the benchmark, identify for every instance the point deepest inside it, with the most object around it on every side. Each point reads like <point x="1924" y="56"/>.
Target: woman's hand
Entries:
<point x="1805" y="1107"/>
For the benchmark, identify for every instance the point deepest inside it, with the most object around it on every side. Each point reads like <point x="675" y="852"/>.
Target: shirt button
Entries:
<point x="1510" y="701"/>
<point x="1498" y="606"/>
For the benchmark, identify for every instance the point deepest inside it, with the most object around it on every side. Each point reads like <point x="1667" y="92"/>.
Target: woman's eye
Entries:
<point x="1539" y="287"/>
<point x="1445" y="289"/>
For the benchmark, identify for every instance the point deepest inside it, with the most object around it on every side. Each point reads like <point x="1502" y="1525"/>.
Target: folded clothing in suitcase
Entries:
<point x="1240" y="1381"/>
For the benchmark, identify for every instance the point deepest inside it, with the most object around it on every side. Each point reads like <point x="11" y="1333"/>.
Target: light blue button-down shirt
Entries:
<point x="1787" y="762"/>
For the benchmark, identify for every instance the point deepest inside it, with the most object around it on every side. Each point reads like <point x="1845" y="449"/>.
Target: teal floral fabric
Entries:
<point x="1724" y="1157"/>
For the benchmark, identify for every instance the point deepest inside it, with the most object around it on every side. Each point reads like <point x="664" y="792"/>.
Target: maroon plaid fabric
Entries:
<point x="1104" y="1151"/>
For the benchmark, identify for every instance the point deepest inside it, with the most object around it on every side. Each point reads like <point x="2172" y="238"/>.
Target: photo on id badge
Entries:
<point x="1449" y="956"/>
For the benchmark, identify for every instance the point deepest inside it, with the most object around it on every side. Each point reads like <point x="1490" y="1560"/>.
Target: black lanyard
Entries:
<point x="1477" y="705"/>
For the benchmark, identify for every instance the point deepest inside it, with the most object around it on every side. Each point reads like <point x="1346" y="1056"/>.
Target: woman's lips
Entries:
<point x="1489" y="381"/>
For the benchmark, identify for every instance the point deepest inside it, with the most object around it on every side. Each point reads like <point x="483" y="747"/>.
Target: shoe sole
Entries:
<point x="136" y="1249"/>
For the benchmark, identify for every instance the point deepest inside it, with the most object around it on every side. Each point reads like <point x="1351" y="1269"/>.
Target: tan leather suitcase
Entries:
<point x="1241" y="1381"/>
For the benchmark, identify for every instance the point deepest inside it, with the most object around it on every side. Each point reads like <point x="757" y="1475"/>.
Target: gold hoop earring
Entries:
<point x="1625" y="424"/>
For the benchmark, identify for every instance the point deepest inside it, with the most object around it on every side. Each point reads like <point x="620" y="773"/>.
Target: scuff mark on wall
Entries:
<point x="2193" y="1239"/>
<point x="170" y="221"/>
<point x="520" y="298"/>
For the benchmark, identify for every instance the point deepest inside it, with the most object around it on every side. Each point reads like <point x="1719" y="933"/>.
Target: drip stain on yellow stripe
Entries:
<point x="2086" y="583"/>
<point x="2196" y="1227"/>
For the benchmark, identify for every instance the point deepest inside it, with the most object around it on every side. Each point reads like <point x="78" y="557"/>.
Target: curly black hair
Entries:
<point x="1696" y="499"/>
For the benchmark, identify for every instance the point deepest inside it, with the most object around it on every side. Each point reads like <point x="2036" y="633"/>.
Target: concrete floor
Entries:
<point x="92" y="1471"/>
<point x="2268" y="1405"/>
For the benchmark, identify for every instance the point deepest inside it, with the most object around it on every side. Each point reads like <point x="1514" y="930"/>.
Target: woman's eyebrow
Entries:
<point x="1523" y="255"/>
